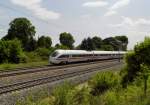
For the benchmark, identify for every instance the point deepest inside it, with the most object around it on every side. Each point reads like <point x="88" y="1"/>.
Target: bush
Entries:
<point x="131" y="70"/>
<point x="11" y="51"/>
<point x="58" y="46"/>
<point x="61" y="94"/>
<point x="140" y="55"/>
<point x="44" y="53"/>
<point x="79" y="97"/>
<point x="103" y="81"/>
<point x="32" y="57"/>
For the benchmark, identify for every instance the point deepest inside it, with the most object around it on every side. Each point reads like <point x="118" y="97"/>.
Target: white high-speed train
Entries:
<point x="68" y="56"/>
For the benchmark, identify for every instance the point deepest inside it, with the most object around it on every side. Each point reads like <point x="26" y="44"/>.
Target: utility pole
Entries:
<point x="120" y="47"/>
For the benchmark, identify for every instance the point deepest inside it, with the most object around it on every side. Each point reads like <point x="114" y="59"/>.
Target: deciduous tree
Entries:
<point x="44" y="41"/>
<point x="23" y="30"/>
<point x="97" y="42"/>
<point x="67" y="39"/>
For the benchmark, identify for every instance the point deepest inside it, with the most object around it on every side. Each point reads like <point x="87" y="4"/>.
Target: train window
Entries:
<point x="91" y="55"/>
<point x="54" y="54"/>
<point x="75" y="55"/>
<point x="64" y="56"/>
<point x="79" y="55"/>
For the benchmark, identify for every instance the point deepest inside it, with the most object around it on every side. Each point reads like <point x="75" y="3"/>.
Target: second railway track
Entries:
<point x="45" y="68"/>
<point x="68" y="74"/>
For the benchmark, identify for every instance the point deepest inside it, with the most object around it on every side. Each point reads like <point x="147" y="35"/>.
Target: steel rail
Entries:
<point x="47" y="68"/>
<point x="45" y="80"/>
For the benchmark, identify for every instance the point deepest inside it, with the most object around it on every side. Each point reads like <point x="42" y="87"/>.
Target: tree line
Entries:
<point x="22" y="31"/>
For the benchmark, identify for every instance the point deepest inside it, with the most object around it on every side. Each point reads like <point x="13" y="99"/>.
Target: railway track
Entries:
<point x="44" y="68"/>
<point x="40" y="81"/>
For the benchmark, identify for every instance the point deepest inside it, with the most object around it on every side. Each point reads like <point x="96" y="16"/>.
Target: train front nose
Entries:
<point x="51" y="59"/>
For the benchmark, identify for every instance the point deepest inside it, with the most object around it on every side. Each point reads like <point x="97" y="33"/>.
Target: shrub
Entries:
<point x="131" y="70"/>
<point x="61" y="94"/>
<point x="111" y="98"/>
<point x="79" y="97"/>
<point x="140" y="55"/>
<point x="58" y="46"/>
<point x="103" y="81"/>
<point x="11" y="51"/>
<point x="32" y="57"/>
<point x="44" y="52"/>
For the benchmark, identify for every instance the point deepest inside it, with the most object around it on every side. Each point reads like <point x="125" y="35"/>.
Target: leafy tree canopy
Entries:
<point x="87" y="44"/>
<point x="67" y="39"/>
<point x="58" y="46"/>
<point x="44" y="41"/>
<point x="22" y="29"/>
<point x="118" y="42"/>
<point x="107" y="48"/>
<point x="124" y="41"/>
<point x="97" y="42"/>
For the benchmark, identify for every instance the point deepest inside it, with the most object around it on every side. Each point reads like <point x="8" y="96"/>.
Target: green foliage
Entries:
<point x="28" y="63"/>
<point x="70" y="95"/>
<point x="140" y="55"/>
<point x="43" y="53"/>
<point x="142" y="51"/>
<point x="32" y="57"/>
<point x="11" y="51"/>
<point x="145" y="72"/>
<point x="58" y="46"/>
<point x="87" y="44"/>
<point x="79" y="97"/>
<point x="61" y="94"/>
<point x="45" y="42"/>
<point x="67" y="39"/>
<point x="103" y="81"/>
<point x="97" y="42"/>
<point x="113" y="42"/>
<point x="124" y="41"/>
<point x="132" y="68"/>
<point x="117" y="42"/>
<point x="107" y="48"/>
<point x="108" y="44"/>
<point x="31" y="45"/>
<point x="111" y="98"/>
<point x="23" y="30"/>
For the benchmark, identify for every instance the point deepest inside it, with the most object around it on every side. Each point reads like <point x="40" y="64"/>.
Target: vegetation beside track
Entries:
<point x="9" y="66"/>
<point x="102" y="89"/>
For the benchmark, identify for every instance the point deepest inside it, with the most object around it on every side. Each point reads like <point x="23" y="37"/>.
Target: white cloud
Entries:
<point x="95" y="4"/>
<point x="110" y="13"/>
<point x="35" y="7"/>
<point x="119" y="4"/>
<point x="129" y="22"/>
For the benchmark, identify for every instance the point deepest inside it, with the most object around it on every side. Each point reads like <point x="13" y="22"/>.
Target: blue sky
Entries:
<point x="82" y="18"/>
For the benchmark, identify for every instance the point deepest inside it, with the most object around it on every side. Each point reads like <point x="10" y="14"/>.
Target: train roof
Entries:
<point x="89" y="52"/>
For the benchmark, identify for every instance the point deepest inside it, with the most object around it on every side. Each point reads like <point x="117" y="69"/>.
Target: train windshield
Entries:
<point x="54" y="54"/>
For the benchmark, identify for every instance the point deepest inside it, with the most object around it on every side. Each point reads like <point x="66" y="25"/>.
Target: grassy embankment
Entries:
<point x="32" y="59"/>
<point x="104" y="88"/>
<point x="8" y="66"/>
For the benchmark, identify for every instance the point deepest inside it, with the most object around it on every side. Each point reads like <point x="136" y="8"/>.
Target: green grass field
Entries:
<point x="8" y="66"/>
